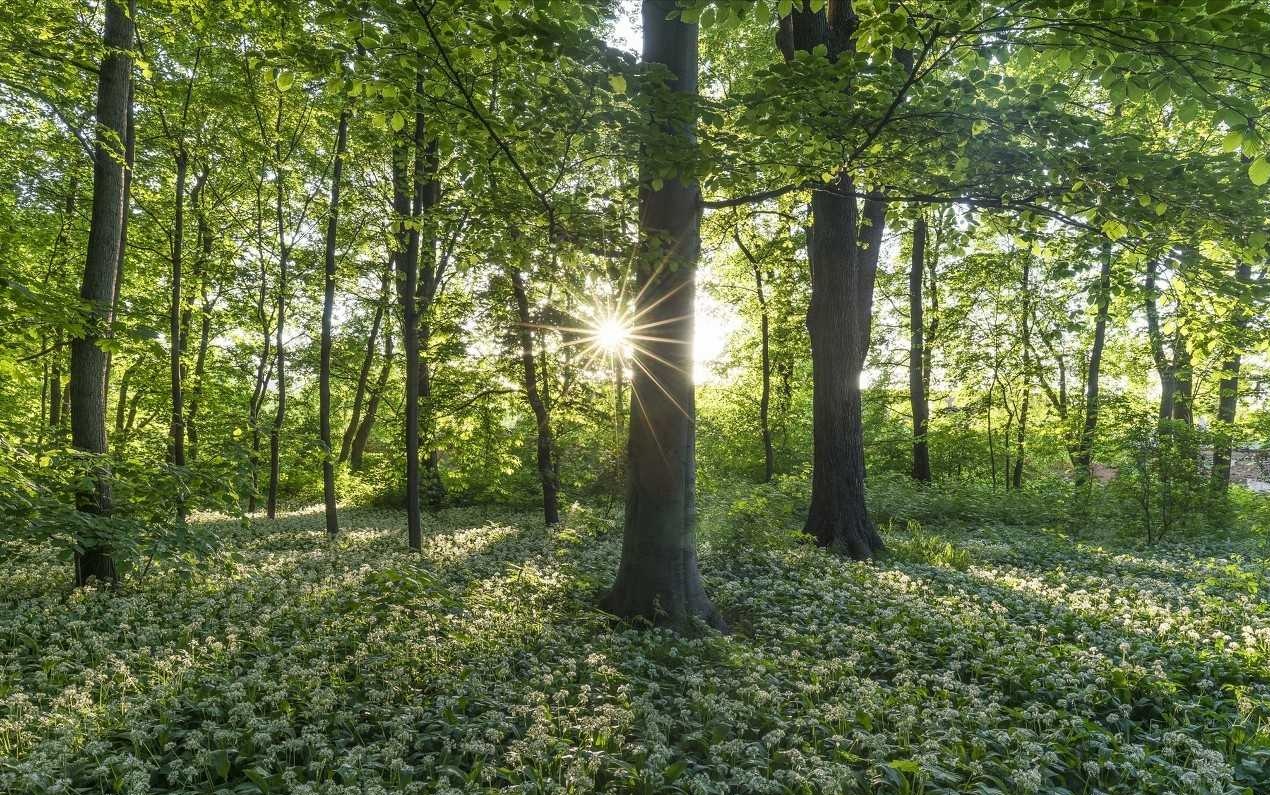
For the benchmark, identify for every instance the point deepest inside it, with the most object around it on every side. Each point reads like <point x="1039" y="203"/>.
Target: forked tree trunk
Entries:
<point x="843" y="254"/>
<point x="917" y="354"/>
<point x="358" y="450"/>
<point x="328" y="309"/>
<point x="657" y="578"/>
<point x="88" y="360"/>
<point x="765" y="361"/>
<point x="363" y="375"/>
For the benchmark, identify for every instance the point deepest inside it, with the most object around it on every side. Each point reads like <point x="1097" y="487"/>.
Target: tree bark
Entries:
<point x="1025" y="340"/>
<point x="88" y="361"/>
<point x="765" y="361"/>
<point x="279" y="345"/>
<point x="542" y="418"/>
<point x="328" y="309"/>
<point x="358" y="449"/>
<point x="1228" y="392"/>
<point x="917" y="354"/>
<point x="407" y="285"/>
<point x="657" y="578"/>
<point x="205" y="312"/>
<point x="1084" y="450"/>
<point x="176" y="426"/>
<point x="368" y="360"/>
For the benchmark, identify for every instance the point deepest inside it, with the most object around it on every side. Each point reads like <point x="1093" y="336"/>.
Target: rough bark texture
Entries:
<point x="843" y="253"/>
<point x="1228" y="392"/>
<point x="1085" y="446"/>
<point x="658" y="579"/>
<point x="917" y="354"/>
<point x="328" y="309"/>
<point x="534" y="394"/>
<point x="88" y="360"/>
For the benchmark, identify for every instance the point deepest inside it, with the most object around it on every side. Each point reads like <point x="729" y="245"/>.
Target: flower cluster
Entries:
<point x="291" y="664"/>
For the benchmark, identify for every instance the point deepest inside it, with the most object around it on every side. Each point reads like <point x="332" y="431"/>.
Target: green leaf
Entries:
<point x="1114" y="229"/>
<point x="398" y="121"/>
<point x="284" y="80"/>
<point x="618" y="83"/>
<point x="784" y="8"/>
<point x="1232" y="141"/>
<point x="1259" y="171"/>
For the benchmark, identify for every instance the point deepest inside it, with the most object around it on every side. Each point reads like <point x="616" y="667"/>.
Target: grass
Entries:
<point x="969" y="661"/>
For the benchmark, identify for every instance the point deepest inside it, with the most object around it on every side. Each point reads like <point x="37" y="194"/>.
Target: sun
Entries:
<point x="611" y="335"/>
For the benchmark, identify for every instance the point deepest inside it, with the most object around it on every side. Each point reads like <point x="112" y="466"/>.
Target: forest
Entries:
<point x="683" y="396"/>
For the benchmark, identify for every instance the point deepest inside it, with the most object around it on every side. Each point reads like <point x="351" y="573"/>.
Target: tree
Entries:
<point x="88" y="360"/>
<point x="657" y="578"/>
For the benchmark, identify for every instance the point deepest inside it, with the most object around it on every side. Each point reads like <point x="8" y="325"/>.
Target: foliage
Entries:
<point x="293" y="664"/>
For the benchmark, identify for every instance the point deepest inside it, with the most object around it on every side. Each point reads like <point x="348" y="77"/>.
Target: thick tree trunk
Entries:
<point x="1084" y="450"/>
<point x="368" y="360"/>
<point x="1228" y="393"/>
<point x="358" y="449"/>
<point x="328" y="309"/>
<point x="658" y="579"/>
<point x="917" y="356"/>
<point x="542" y="418"/>
<point x="88" y="360"/>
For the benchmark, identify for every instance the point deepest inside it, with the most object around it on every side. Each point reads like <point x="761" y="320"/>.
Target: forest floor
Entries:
<point x="988" y="661"/>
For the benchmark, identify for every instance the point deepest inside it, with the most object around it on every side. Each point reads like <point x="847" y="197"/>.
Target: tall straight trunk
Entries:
<point x="328" y="309"/>
<point x="358" y="449"/>
<point x="917" y="356"/>
<point x="264" y="370"/>
<point x="175" y="332"/>
<point x="765" y="361"/>
<point x="205" y="313"/>
<point x="279" y="345"/>
<point x="1085" y="446"/>
<point x="363" y="375"/>
<point x="129" y="157"/>
<point x="1025" y="338"/>
<point x="657" y="578"/>
<point x="407" y="284"/>
<point x="55" y="387"/>
<point x="1228" y="392"/>
<point x="534" y="394"/>
<point x="88" y="360"/>
<point x="121" y="406"/>
<point x="427" y="195"/>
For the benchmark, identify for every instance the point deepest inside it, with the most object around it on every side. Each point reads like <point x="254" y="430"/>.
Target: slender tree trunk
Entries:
<point x="765" y="361"/>
<point x="328" y="309"/>
<point x="88" y="360"/>
<point x="175" y="333"/>
<point x="917" y="356"/>
<point x="205" y="313"/>
<point x="279" y="345"/>
<point x="1228" y="393"/>
<point x="542" y="418"/>
<point x="407" y="285"/>
<point x="121" y="407"/>
<point x="1084" y="451"/>
<point x="358" y="449"/>
<point x="363" y="375"/>
<point x="1163" y="363"/>
<point x="657" y="578"/>
<point x="130" y="147"/>
<point x="55" y="388"/>
<point x="1025" y="337"/>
